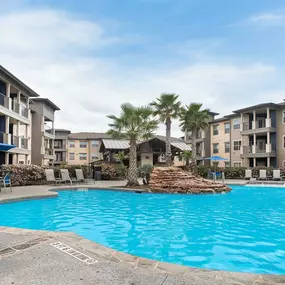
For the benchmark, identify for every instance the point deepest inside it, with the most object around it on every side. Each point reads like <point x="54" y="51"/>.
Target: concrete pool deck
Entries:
<point x="43" y="257"/>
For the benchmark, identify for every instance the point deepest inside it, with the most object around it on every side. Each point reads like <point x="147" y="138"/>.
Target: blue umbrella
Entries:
<point x="215" y="158"/>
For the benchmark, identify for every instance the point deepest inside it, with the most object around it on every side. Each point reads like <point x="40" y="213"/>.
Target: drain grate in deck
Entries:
<point x="74" y="253"/>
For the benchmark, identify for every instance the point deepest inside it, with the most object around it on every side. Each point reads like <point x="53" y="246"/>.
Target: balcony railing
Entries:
<point x="14" y="106"/>
<point x="49" y="151"/>
<point x="4" y="138"/>
<point x="4" y="100"/>
<point x="260" y="149"/>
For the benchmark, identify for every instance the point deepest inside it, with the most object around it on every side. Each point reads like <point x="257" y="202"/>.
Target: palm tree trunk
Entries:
<point x="132" y="172"/>
<point x="167" y="143"/>
<point x="194" y="151"/>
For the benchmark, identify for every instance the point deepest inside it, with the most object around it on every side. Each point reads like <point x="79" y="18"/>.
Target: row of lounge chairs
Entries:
<point x="64" y="176"/>
<point x="276" y="175"/>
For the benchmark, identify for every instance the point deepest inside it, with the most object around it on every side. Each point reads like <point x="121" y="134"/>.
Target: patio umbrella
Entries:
<point x="215" y="158"/>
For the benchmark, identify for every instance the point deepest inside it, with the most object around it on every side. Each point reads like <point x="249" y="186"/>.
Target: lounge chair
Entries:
<point x="80" y="176"/>
<point x="276" y="174"/>
<point x="51" y="178"/>
<point x="66" y="178"/>
<point x="248" y="174"/>
<point x="5" y="181"/>
<point x="262" y="174"/>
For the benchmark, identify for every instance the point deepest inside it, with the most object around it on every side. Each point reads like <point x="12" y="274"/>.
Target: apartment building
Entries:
<point x="43" y="134"/>
<point x="256" y="136"/>
<point x="15" y="119"/>
<point x="60" y="146"/>
<point x="203" y="141"/>
<point x="84" y="148"/>
<point x="226" y="140"/>
<point x="262" y="129"/>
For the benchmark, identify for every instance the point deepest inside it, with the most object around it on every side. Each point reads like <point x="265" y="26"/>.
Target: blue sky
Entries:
<point x="96" y="55"/>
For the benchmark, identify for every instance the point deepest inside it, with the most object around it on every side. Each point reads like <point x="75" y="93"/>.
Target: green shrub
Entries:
<point x="144" y="170"/>
<point x="233" y="172"/>
<point x="121" y="171"/>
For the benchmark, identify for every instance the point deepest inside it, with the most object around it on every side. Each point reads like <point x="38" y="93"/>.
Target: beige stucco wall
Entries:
<point x="76" y="150"/>
<point x="235" y="136"/>
<point x="221" y="138"/>
<point x="146" y="158"/>
<point x="279" y="138"/>
<point x="89" y="150"/>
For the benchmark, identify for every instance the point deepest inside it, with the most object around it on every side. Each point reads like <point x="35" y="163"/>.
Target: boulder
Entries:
<point x="176" y="180"/>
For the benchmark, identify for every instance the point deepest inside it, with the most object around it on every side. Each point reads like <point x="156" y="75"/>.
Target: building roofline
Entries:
<point x="47" y="101"/>
<point x="88" y="136"/>
<point x="222" y="119"/>
<point x="17" y="82"/>
<point x="213" y="113"/>
<point x="62" y="130"/>
<point x="258" y="106"/>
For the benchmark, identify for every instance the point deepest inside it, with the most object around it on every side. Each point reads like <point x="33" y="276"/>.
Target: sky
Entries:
<point x="90" y="56"/>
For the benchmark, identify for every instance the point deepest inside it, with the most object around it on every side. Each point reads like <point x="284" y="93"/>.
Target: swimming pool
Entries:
<point x="240" y="231"/>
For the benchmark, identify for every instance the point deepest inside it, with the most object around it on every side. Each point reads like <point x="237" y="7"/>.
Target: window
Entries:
<point x="283" y="117"/>
<point x="227" y="164"/>
<point x="95" y="156"/>
<point x="227" y="128"/>
<point x="71" y="156"/>
<point x="72" y="144"/>
<point x="83" y="144"/>
<point x="215" y="148"/>
<point x="95" y="144"/>
<point x="227" y="147"/>
<point x="237" y="145"/>
<point x="283" y="142"/>
<point x="283" y="163"/>
<point x="237" y="164"/>
<point x="236" y="124"/>
<point x="215" y="130"/>
<point x="82" y="156"/>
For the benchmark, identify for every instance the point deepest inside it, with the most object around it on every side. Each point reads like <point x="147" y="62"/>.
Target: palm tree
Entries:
<point x="121" y="157"/>
<point x="133" y="124"/>
<point x="187" y="155"/>
<point x="166" y="108"/>
<point x="194" y="119"/>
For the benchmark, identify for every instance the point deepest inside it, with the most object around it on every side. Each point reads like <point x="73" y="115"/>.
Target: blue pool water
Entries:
<point x="240" y="231"/>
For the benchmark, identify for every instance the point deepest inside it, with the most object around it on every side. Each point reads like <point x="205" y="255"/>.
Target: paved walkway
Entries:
<point x="42" y="257"/>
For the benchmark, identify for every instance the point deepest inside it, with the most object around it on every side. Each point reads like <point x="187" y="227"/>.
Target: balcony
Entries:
<point x="48" y="131"/>
<point x="258" y="127"/>
<point x="10" y="107"/>
<point x="59" y="146"/>
<point x="200" y="136"/>
<point x="258" y="151"/>
<point x="49" y="153"/>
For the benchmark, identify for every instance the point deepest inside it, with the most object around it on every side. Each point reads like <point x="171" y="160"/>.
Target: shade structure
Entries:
<point x="5" y="147"/>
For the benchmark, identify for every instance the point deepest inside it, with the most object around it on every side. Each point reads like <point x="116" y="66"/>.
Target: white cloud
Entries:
<point x="50" y="51"/>
<point x="268" y="19"/>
